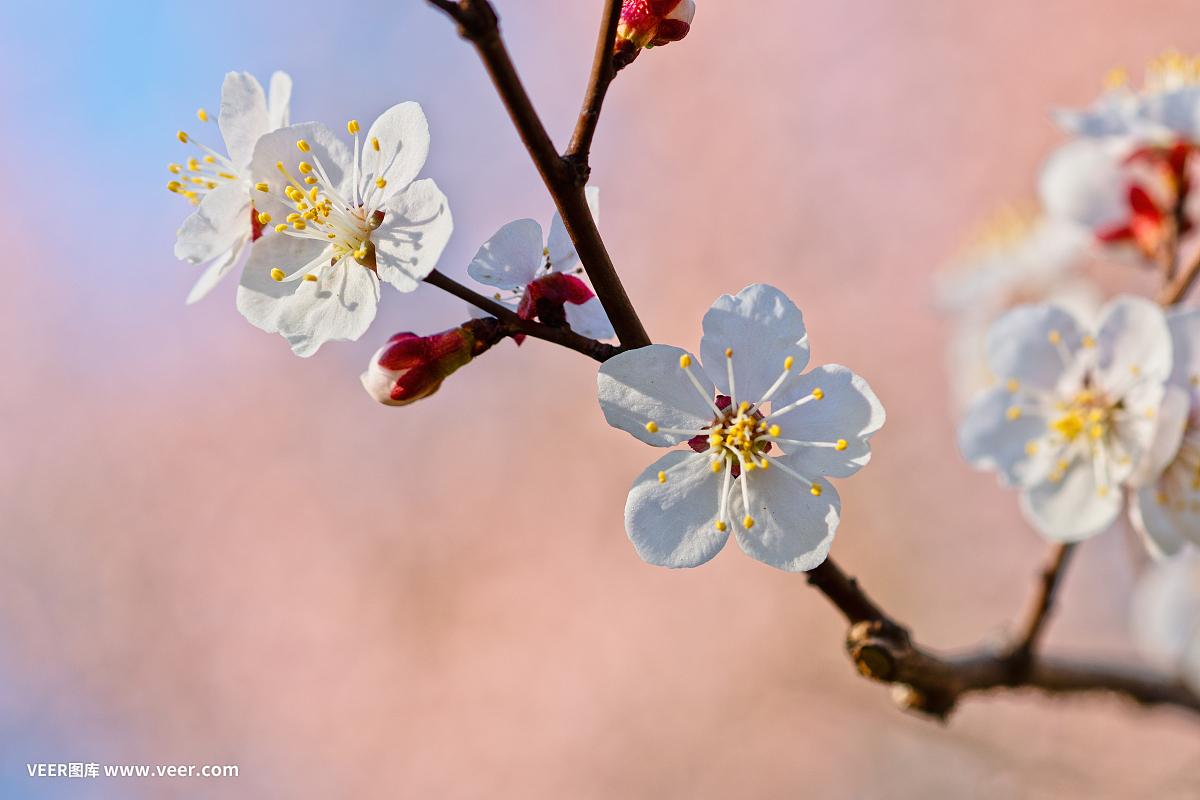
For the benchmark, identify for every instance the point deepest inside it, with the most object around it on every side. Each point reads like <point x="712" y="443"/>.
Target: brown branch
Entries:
<point x="479" y="24"/>
<point x="1043" y="603"/>
<point x="603" y="72"/>
<point x="1178" y="288"/>
<point x="515" y="326"/>
<point x="932" y="684"/>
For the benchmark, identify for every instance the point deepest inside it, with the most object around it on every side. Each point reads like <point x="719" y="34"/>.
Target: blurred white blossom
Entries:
<point x="762" y="437"/>
<point x="1076" y="413"/>
<point x="1166" y="616"/>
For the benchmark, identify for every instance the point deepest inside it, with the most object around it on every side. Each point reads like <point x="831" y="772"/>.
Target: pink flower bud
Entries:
<point x="411" y="367"/>
<point x="651" y="23"/>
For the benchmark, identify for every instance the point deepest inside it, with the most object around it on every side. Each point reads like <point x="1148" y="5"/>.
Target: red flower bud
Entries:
<point x="651" y="23"/>
<point x="411" y="367"/>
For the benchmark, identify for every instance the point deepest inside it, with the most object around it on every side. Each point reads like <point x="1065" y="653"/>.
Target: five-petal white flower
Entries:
<point x="224" y="222"/>
<point x="1167" y="511"/>
<point x="1076" y="413"/>
<point x="763" y="437"/>
<point x="344" y="221"/>
<point x="516" y="260"/>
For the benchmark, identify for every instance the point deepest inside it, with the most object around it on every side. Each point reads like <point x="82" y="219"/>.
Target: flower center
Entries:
<point x="1085" y="413"/>
<point x="197" y="177"/>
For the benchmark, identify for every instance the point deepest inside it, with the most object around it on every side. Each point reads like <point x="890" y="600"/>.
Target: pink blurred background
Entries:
<point x="215" y="552"/>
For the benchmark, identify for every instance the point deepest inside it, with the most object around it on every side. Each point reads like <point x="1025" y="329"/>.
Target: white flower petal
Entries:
<point x="1019" y="345"/>
<point x="340" y="306"/>
<point x="793" y="529"/>
<point x="512" y="258"/>
<point x="588" y="319"/>
<point x="1086" y="181"/>
<point x="403" y="134"/>
<point x="221" y="266"/>
<point x="1072" y="508"/>
<point x="764" y="328"/>
<point x="416" y="227"/>
<point x="243" y="116"/>
<point x="1175" y="112"/>
<point x="220" y="221"/>
<point x="1154" y="430"/>
<point x="990" y="439"/>
<point x="261" y="299"/>
<point x="279" y="147"/>
<point x="1165" y="528"/>
<point x="1184" y="325"/>
<point x="279" y="100"/>
<point x="673" y="524"/>
<point x="1166" y="611"/>
<point x="648" y="385"/>
<point x="1133" y="341"/>
<point x="563" y="257"/>
<point x="849" y="411"/>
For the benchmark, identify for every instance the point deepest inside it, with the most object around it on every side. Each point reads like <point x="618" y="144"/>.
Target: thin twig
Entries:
<point x="932" y="684"/>
<point x="1043" y="604"/>
<point x="1178" y="288"/>
<point x="603" y="72"/>
<point x="479" y="24"/>
<point x="515" y="326"/>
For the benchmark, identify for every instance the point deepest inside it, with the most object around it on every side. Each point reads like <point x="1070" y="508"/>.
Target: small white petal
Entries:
<point x="1020" y="345"/>
<point x="1165" y="528"/>
<point x="764" y="328"/>
<point x="512" y="258"/>
<point x="243" y="116"/>
<point x="793" y="529"/>
<point x="403" y="134"/>
<point x="1086" y="181"/>
<point x="588" y="319"/>
<point x="221" y="266"/>
<point x="849" y="411"/>
<point x="648" y="385"/>
<point x="340" y="306"/>
<point x="220" y="221"/>
<point x="1132" y="340"/>
<point x="416" y="227"/>
<point x="563" y="257"/>
<point x="279" y="100"/>
<point x="673" y="524"/>
<point x="1073" y="508"/>
<point x="1155" y="439"/>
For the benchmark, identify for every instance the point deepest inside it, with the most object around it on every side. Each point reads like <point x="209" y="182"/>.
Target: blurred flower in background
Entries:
<point x="1165" y="620"/>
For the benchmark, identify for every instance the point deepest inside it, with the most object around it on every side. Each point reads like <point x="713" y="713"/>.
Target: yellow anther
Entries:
<point x="360" y="253"/>
<point x="766" y="464"/>
<point x="209" y="160"/>
<point x="775" y="430"/>
<point x="841" y="444"/>
<point x="729" y="352"/>
<point x="229" y="176"/>
<point x="1149" y="413"/>
<point x="1089" y="341"/>
<point x="743" y="406"/>
<point x="277" y="274"/>
<point x="262" y="187"/>
<point x="303" y="146"/>
<point x="789" y="362"/>
<point x="264" y="218"/>
<point x="716" y="466"/>
<point x="174" y="186"/>
<point x="1031" y="448"/>
<point x="1096" y="432"/>
<point x="311" y="278"/>
<point x="751" y="466"/>
<point x="1116" y="78"/>
<point x="1013" y="385"/>
<point x="380" y="182"/>
<point x="1054" y="336"/>
<point x="1102" y="491"/>
<point x="334" y="236"/>
<point x="1135" y="370"/>
<point x="305" y="167"/>
<point x="1161" y="497"/>
<point x="1013" y="413"/>
<point x="721" y="526"/>
<point x="299" y="224"/>
<point x="352" y="127"/>
<point x="293" y="217"/>
<point x="748" y="522"/>
<point x="182" y="136"/>
<point x="312" y="193"/>
<point x="210" y="185"/>
<point x="175" y="168"/>
<point x="280" y="228"/>
<point x="193" y="164"/>
<point x="201" y="115"/>
<point x="685" y="361"/>
<point x="652" y="427"/>
<point x="662" y="476"/>
<point x="375" y="144"/>
<point x="818" y="393"/>
<point x="816" y="490"/>
<point x="715" y="440"/>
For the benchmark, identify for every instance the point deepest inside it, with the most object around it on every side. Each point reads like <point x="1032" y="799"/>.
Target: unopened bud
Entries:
<point x="411" y="367"/>
<point x="651" y="23"/>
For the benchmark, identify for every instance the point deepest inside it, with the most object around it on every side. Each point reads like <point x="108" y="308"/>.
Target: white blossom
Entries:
<point x="762" y="437"/>
<point x="343" y="220"/>
<point x="1076" y="412"/>
<point x="224" y="225"/>
<point x="1166" y="616"/>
